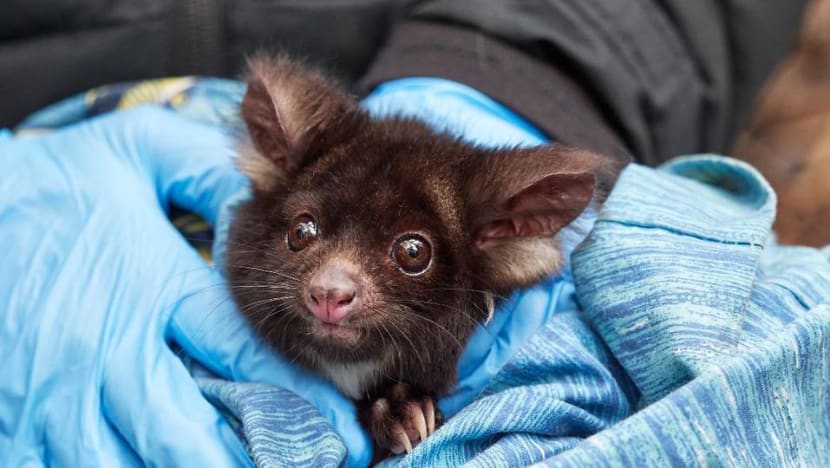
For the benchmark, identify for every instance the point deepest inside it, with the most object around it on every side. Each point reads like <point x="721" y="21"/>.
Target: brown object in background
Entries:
<point x="788" y="134"/>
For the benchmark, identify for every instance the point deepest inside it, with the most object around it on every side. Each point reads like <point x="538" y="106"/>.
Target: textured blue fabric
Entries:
<point x="702" y="250"/>
<point x="765" y="406"/>
<point x="269" y="417"/>
<point x="725" y="330"/>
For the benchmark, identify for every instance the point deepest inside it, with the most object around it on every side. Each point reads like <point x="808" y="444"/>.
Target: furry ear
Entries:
<point x="293" y="114"/>
<point x="518" y="201"/>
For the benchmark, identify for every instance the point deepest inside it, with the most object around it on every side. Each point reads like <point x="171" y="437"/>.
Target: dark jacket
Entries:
<point x="653" y="78"/>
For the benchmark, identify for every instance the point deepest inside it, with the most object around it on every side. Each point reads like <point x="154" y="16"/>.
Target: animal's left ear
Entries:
<point x="518" y="200"/>
<point x="293" y="114"/>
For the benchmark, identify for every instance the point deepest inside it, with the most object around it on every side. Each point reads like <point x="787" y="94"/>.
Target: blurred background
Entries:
<point x="51" y="49"/>
<point x="775" y="107"/>
<point x="787" y="135"/>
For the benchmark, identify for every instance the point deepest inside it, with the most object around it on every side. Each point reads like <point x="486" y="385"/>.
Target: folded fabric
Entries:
<point x="723" y="329"/>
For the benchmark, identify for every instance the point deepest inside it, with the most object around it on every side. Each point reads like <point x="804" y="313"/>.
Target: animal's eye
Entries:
<point x="412" y="253"/>
<point x="302" y="233"/>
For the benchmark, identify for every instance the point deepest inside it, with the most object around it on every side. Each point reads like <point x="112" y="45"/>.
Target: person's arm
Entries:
<point x="667" y="77"/>
<point x="655" y="79"/>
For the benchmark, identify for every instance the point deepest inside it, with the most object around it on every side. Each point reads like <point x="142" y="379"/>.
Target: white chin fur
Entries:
<point x="353" y="379"/>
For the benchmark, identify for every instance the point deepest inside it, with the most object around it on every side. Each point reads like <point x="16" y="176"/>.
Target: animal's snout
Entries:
<point x="332" y="293"/>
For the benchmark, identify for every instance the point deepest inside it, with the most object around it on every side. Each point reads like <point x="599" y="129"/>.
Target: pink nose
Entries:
<point x="332" y="294"/>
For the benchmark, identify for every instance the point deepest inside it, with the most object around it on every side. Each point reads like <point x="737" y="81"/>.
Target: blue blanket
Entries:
<point x="683" y="335"/>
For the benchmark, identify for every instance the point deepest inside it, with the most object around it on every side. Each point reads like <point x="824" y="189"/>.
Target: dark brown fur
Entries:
<point x="491" y="216"/>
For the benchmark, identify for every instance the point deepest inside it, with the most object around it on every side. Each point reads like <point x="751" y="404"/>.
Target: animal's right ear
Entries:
<point x="293" y="115"/>
<point x="519" y="199"/>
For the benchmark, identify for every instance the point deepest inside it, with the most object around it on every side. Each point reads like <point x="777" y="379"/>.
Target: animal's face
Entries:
<point x="363" y="251"/>
<point x="366" y="239"/>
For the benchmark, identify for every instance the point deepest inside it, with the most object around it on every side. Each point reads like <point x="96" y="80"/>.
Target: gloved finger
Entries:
<point x="193" y="163"/>
<point x="209" y="328"/>
<point x="162" y="414"/>
<point x="42" y="435"/>
<point x="190" y="163"/>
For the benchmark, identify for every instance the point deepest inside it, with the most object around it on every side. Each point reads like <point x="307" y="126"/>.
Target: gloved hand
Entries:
<point x="94" y="284"/>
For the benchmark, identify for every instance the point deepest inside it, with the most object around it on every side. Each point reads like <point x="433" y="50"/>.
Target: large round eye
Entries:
<point x="412" y="253"/>
<point x="302" y="233"/>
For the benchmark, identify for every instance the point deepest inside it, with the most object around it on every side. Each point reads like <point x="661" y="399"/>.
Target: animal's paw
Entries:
<point x="400" y="418"/>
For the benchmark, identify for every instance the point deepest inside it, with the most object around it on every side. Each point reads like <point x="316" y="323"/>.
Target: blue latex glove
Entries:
<point x="94" y="284"/>
<point x="466" y="112"/>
